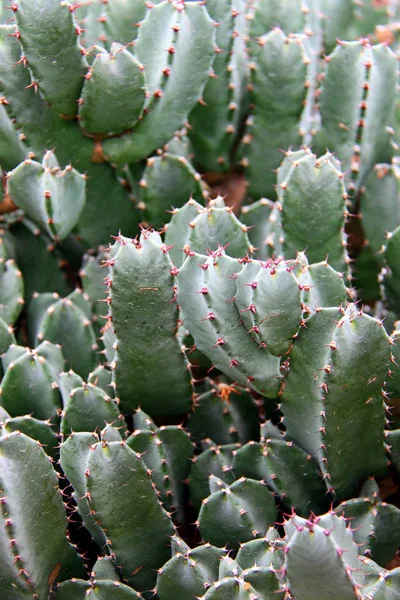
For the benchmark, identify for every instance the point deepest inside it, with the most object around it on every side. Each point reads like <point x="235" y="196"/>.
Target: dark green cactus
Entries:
<point x="214" y="460"/>
<point x="288" y="471"/>
<point x="30" y="381"/>
<point x="343" y="339"/>
<point x="328" y="545"/>
<point x="65" y="321"/>
<point x="224" y="414"/>
<point x="167" y="398"/>
<point x="53" y="198"/>
<point x="237" y="513"/>
<point x="197" y="568"/>
<point x="86" y="407"/>
<point x="167" y="452"/>
<point x="278" y="89"/>
<point x="32" y="557"/>
<point x="374" y="522"/>
<point x="141" y="269"/>
<point x="167" y="180"/>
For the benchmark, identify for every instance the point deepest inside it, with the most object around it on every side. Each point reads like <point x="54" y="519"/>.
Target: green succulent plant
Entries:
<point x="199" y="389"/>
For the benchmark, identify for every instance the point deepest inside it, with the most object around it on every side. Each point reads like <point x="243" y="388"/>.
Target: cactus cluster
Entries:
<point x="199" y="300"/>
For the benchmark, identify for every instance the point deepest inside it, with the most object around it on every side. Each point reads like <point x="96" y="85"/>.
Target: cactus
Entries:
<point x="100" y="590"/>
<point x="198" y="568"/>
<point x="330" y="544"/>
<point x="32" y="558"/>
<point x="355" y="117"/>
<point x="390" y="274"/>
<point x="12" y="291"/>
<point x="321" y="182"/>
<point x="380" y="583"/>
<point x="206" y="288"/>
<point x="41" y="431"/>
<point x="29" y="384"/>
<point x="370" y="519"/>
<point x="53" y="198"/>
<point x="217" y="226"/>
<point x="142" y="547"/>
<point x="34" y="246"/>
<point x="86" y="407"/>
<point x="167" y="178"/>
<point x="246" y="509"/>
<point x="287" y="470"/>
<point x="154" y="291"/>
<point x="199" y="299"/>
<point x="335" y="332"/>
<point x="224" y="422"/>
<point x="214" y="461"/>
<point x="278" y="88"/>
<point x="187" y="34"/>
<point x="381" y="188"/>
<point x="215" y="120"/>
<point x="65" y="321"/>
<point x="167" y="452"/>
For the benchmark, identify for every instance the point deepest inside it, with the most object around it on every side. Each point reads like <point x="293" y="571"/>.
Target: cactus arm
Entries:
<point x="122" y="20"/>
<point x="142" y="547"/>
<point x="345" y="339"/>
<point x="231" y="588"/>
<point x="224" y="422"/>
<point x="49" y="38"/>
<point x="215" y="120"/>
<point x="63" y="322"/>
<point x="278" y="78"/>
<point x="260" y="552"/>
<point x="217" y="226"/>
<point x="6" y="339"/>
<point x="88" y="408"/>
<point x="11" y="291"/>
<point x="178" y="230"/>
<point x="321" y="285"/>
<point x="167" y="180"/>
<point x="77" y="589"/>
<point x="29" y="385"/>
<point x="246" y="509"/>
<point x="390" y="274"/>
<point x="314" y="196"/>
<point x="274" y="292"/>
<point x="255" y="216"/>
<point x="288" y="470"/>
<point x="31" y="495"/>
<point x="167" y="110"/>
<point x="205" y="290"/>
<point x="330" y="548"/>
<point x="52" y="197"/>
<point x="355" y="117"/>
<point x="189" y="574"/>
<point x="375" y="524"/>
<point x="341" y="95"/>
<point x="41" y="431"/>
<point x="113" y="94"/>
<point x="167" y="451"/>
<point x="159" y="24"/>
<point x="44" y="129"/>
<point x="12" y="148"/>
<point x="34" y="247"/>
<point x="382" y="189"/>
<point x="288" y="15"/>
<point x="375" y="133"/>
<point x="144" y="319"/>
<point x="74" y="454"/>
<point x="217" y="461"/>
